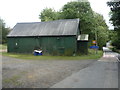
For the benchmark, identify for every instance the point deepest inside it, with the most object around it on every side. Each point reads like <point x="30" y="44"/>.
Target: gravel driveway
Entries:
<point x="17" y="73"/>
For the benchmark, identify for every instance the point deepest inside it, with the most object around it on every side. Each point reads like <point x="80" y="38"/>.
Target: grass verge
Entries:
<point x="91" y="55"/>
<point x="3" y="46"/>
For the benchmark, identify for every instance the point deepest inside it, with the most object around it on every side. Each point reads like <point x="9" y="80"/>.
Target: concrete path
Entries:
<point x="101" y="74"/>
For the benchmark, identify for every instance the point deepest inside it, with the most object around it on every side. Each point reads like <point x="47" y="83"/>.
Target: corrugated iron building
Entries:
<point x="82" y="44"/>
<point x="57" y="37"/>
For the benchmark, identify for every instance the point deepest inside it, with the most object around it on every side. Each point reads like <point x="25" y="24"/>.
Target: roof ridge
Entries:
<point x="47" y="21"/>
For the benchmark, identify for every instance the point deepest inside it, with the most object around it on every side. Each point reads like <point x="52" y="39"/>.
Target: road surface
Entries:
<point x="19" y="73"/>
<point x="101" y="74"/>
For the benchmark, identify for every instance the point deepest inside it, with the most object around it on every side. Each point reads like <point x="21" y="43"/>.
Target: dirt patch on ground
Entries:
<point x="18" y="73"/>
<point x="3" y="50"/>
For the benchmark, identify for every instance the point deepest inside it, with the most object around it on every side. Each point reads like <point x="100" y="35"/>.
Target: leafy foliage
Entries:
<point x="101" y="30"/>
<point x="115" y="18"/>
<point x="48" y="14"/>
<point x="111" y="34"/>
<point x="80" y="10"/>
<point x="115" y="15"/>
<point x="3" y="32"/>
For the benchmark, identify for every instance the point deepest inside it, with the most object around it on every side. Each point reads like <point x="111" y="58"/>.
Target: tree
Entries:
<point x="81" y="10"/>
<point x="101" y="30"/>
<point x="115" y="13"/>
<point x="3" y="31"/>
<point x="111" y="34"/>
<point x="90" y="22"/>
<point x="48" y="14"/>
<point x="115" y="18"/>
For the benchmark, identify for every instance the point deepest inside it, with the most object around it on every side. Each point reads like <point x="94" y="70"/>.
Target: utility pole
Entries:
<point x="96" y="37"/>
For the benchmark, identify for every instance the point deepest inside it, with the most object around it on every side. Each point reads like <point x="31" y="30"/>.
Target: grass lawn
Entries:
<point x="3" y="46"/>
<point x="91" y="55"/>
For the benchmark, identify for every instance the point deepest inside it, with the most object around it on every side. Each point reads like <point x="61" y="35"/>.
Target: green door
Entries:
<point x="60" y="45"/>
<point x="16" y="44"/>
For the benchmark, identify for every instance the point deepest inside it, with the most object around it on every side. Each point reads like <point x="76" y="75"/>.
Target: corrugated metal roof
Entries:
<point x="83" y="37"/>
<point x="50" y="28"/>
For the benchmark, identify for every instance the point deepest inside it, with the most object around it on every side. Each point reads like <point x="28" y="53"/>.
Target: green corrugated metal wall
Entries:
<point x="82" y="47"/>
<point x="64" y="45"/>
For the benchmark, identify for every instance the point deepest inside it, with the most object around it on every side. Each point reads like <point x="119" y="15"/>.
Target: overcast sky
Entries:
<point x="14" y="11"/>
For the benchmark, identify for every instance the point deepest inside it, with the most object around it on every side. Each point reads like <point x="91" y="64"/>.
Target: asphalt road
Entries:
<point x="101" y="74"/>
